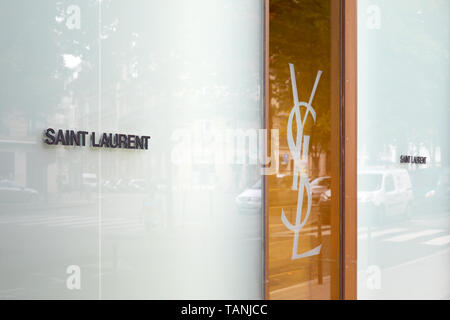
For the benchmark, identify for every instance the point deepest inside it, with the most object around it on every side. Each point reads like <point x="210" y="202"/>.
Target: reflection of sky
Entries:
<point x="403" y="72"/>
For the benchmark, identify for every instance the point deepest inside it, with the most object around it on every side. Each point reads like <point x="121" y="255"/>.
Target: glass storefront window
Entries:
<point x="403" y="149"/>
<point x="302" y="226"/>
<point x="209" y="149"/>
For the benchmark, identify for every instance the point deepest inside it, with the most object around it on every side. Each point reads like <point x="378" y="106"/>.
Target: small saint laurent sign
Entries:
<point x="103" y="140"/>
<point x="413" y="159"/>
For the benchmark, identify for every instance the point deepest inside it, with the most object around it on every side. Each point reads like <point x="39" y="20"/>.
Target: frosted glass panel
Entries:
<point x="181" y="219"/>
<point x="403" y="149"/>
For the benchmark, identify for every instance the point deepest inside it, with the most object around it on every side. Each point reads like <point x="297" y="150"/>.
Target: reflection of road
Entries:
<point x="71" y="222"/>
<point x="36" y="253"/>
<point x="406" y="240"/>
<point x="411" y="257"/>
<point x="37" y="246"/>
<point x="303" y="278"/>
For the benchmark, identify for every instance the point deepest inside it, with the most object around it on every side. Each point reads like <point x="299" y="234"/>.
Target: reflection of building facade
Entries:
<point x="18" y="149"/>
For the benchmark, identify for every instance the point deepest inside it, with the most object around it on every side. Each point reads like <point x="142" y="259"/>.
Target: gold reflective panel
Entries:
<point x="302" y="186"/>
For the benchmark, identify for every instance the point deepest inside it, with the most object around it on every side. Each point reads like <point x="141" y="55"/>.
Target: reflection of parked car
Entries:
<point x="431" y="187"/>
<point x="318" y="186"/>
<point x="89" y="181"/>
<point x="120" y="185"/>
<point x="107" y="186"/>
<point x="280" y="191"/>
<point x="10" y="191"/>
<point x="137" y="185"/>
<point x="250" y="200"/>
<point x="129" y="185"/>
<point x="325" y="207"/>
<point x="384" y="192"/>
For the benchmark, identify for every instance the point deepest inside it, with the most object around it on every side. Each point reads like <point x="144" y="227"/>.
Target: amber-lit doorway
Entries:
<point x="303" y="112"/>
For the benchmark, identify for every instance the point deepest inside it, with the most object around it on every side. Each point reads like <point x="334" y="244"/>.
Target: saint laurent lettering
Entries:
<point x="411" y="159"/>
<point x="104" y="140"/>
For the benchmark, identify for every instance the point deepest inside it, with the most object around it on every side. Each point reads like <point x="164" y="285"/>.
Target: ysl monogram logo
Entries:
<point x="299" y="153"/>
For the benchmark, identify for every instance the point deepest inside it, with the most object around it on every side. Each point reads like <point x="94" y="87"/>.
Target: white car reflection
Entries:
<point x="89" y="181"/>
<point x="11" y="191"/>
<point x="319" y="186"/>
<point x="384" y="192"/>
<point x="250" y="201"/>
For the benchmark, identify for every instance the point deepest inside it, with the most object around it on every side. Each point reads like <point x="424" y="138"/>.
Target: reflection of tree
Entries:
<point x="403" y="77"/>
<point x="27" y="62"/>
<point x="34" y="77"/>
<point x="300" y="34"/>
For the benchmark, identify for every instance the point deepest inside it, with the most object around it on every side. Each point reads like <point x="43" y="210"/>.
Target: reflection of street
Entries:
<point x="303" y="278"/>
<point x="38" y="245"/>
<point x="73" y="222"/>
<point x="407" y="254"/>
<point x="36" y="252"/>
